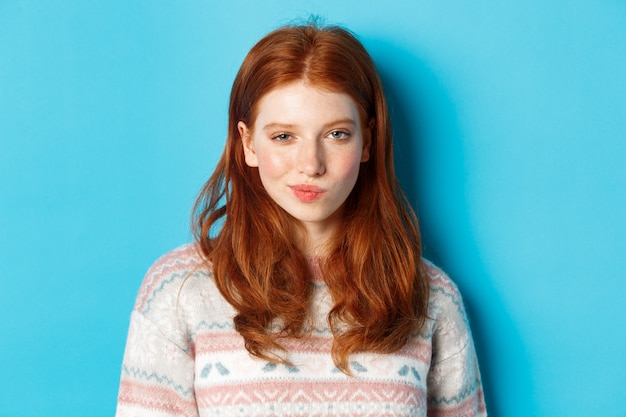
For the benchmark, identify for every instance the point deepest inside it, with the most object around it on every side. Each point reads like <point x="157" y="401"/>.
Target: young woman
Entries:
<point x="305" y="293"/>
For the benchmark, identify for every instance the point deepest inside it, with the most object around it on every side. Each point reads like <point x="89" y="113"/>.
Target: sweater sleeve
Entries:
<point x="157" y="375"/>
<point x="454" y="383"/>
<point x="159" y="367"/>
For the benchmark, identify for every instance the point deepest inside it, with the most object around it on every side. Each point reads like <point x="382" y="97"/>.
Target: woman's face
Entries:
<point x="308" y="145"/>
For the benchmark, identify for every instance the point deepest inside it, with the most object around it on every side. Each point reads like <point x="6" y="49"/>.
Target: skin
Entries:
<point x="308" y="145"/>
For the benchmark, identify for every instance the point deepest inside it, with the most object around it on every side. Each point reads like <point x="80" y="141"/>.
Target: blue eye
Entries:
<point x="339" y="134"/>
<point x="281" y="137"/>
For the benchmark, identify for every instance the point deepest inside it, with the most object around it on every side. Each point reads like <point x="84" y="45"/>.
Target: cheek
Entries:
<point x="352" y="165"/>
<point x="271" y="164"/>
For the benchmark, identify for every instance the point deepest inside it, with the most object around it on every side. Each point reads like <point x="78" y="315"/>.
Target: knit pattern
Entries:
<point x="184" y="358"/>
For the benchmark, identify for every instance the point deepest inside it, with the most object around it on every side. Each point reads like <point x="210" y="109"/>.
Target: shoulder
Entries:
<point x="165" y="277"/>
<point x="180" y="259"/>
<point x="443" y="289"/>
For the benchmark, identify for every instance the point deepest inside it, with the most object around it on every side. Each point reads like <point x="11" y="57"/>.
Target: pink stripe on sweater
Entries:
<point x="284" y="392"/>
<point x="148" y="397"/>
<point x="210" y="343"/>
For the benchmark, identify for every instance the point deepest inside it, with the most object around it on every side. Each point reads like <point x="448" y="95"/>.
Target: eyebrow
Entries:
<point x="288" y="126"/>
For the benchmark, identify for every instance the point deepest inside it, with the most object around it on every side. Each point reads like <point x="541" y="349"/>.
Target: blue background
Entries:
<point x="510" y="120"/>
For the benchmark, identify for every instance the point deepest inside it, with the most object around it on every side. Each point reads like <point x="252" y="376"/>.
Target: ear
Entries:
<point x="248" y="145"/>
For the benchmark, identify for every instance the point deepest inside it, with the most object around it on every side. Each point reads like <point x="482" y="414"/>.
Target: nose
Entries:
<point x="311" y="160"/>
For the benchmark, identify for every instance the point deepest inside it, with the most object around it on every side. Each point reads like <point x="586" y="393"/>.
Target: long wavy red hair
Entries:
<point x="373" y="268"/>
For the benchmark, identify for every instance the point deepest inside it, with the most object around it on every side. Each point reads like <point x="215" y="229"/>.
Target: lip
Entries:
<point x="307" y="192"/>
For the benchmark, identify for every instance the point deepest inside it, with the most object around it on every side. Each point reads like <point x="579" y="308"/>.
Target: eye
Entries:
<point x="281" y="137"/>
<point x="339" y="134"/>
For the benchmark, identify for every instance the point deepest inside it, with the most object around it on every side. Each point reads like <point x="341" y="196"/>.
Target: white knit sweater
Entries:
<point x="184" y="358"/>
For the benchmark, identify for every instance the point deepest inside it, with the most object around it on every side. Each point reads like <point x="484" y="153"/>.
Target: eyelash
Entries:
<point x="283" y="137"/>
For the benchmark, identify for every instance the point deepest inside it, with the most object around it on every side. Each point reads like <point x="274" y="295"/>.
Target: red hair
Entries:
<point x="374" y="270"/>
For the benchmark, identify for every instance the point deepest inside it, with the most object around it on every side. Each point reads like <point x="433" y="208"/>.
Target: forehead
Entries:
<point x="305" y="102"/>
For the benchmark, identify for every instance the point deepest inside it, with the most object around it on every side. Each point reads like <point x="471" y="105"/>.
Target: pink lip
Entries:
<point x="306" y="192"/>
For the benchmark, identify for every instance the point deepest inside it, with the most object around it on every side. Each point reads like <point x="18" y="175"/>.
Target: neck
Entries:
<point x="314" y="239"/>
